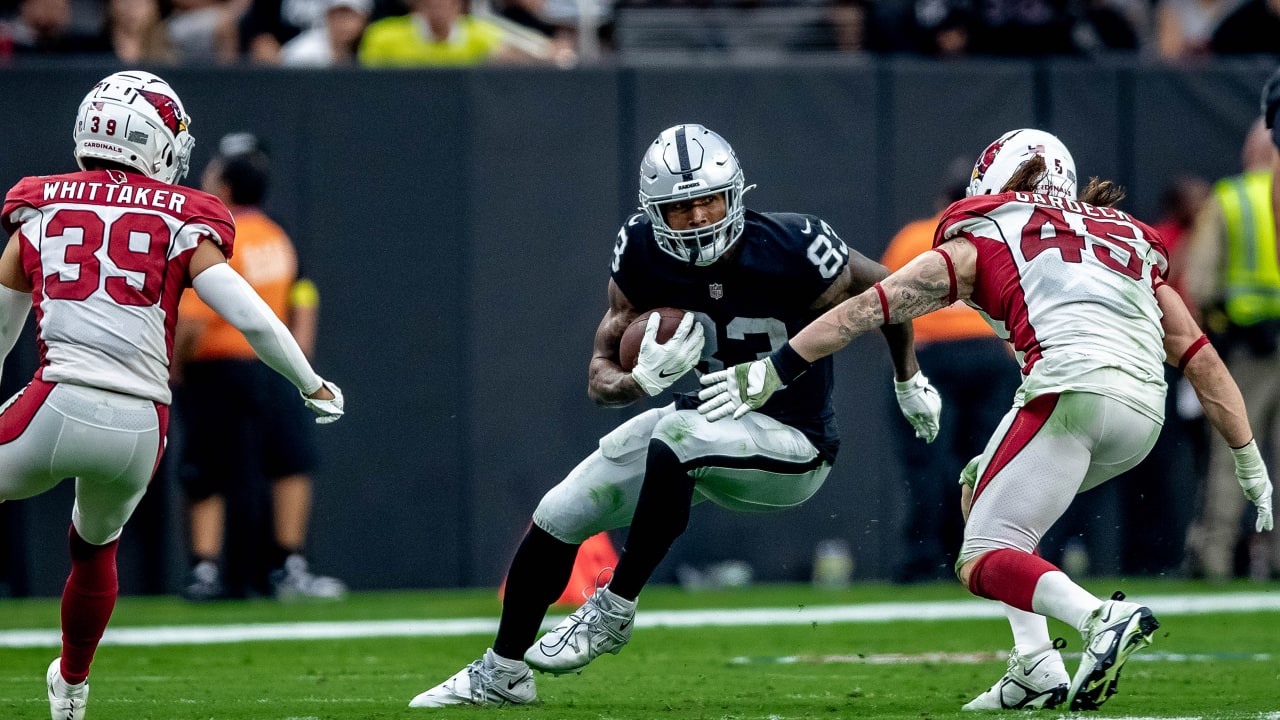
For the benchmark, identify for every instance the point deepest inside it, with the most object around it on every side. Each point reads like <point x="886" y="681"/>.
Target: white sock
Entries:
<point x="1030" y="631"/>
<point x="1058" y="597"/>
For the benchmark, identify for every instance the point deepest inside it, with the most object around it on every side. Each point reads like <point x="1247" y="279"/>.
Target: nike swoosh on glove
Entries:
<point x="738" y="390"/>
<point x="920" y="404"/>
<point x="1251" y="473"/>
<point x="661" y="364"/>
<point x="328" y="410"/>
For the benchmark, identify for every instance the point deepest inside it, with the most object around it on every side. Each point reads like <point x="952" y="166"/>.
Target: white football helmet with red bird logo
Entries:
<point x="135" y="119"/>
<point x="1003" y="157"/>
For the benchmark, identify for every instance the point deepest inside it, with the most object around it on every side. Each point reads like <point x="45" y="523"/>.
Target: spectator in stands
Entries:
<point x="268" y="25"/>
<point x="335" y="41"/>
<point x="1184" y="28"/>
<point x="437" y="33"/>
<point x="1030" y="28"/>
<point x="562" y="23"/>
<point x="239" y="427"/>
<point x="1234" y="276"/>
<point x="843" y="28"/>
<point x="954" y="346"/>
<point x="45" y="27"/>
<point x="1253" y="28"/>
<point x="203" y="32"/>
<point x="136" y="32"/>
<point x="1109" y="26"/>
<point x="940" y="28"/>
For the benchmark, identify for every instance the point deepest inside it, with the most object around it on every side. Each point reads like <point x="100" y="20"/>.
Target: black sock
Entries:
<point x="661" y="516"/>
<point x="197" y="559"/>
<point x="539" y="571"/>
<point x="277" y="554"/>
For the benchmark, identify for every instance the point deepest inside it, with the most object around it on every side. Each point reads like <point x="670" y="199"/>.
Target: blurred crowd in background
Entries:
<point x="565" y="33"/>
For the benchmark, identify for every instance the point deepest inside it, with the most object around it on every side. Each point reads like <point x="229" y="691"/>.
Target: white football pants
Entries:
<point x="752" y="464"/>
<point x="109" y="442"/>
<point x="1040" y="457"/>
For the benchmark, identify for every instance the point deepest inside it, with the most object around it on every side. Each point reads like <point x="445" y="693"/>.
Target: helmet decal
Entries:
<point x="167" y="108"/>
<point x="682" y="151"/>
<point x="987" y="157"/>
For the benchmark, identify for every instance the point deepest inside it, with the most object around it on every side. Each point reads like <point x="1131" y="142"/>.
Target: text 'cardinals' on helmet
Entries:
<point x="686" y="162"/>
<point x="1003" y="157"/>
<point x="135" y="119"/>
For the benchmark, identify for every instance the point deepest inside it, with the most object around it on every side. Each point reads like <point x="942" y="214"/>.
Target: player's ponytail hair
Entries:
<point x="1099" y="193"/>
<point x="1102" y="193"/>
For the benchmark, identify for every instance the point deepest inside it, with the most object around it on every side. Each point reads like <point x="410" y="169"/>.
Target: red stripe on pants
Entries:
<point x="1030" y="418"/>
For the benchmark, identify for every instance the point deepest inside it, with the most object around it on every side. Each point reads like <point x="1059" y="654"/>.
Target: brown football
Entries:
<point x="629" y="348"/>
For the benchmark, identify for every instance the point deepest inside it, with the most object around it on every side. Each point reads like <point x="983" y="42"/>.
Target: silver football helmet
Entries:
<point x="686" y="162"/>
<point x="135" y="119"/>
<point x="1003" y="157"/>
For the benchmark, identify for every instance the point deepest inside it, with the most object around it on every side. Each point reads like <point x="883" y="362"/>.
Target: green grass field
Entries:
<point x="1212" y="665"/>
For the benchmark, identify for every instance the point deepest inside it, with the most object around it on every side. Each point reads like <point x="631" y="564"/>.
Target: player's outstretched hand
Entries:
<point x="661" y="364"/>
<point x="738" y="390"/>
<point x="920" y="404"/>
<point x="328" y="408"/>
<point x="1251" y="473"/>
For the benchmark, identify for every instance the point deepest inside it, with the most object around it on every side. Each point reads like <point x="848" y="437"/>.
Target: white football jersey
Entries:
<point x="1072" y="287"/>
<point x="108" y="254"/>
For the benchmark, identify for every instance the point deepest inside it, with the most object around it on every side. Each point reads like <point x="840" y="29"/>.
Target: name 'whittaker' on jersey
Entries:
<point x="748" y="304"/>
<point x="116" y="194"/>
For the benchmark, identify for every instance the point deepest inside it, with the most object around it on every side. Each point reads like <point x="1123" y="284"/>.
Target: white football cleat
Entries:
<point x="490" y="681"/>
<point x="602" y="625"/>
<point x="1034" y="681"/>
<point x="1111" y="634"/>
<point x="66" y="702"/>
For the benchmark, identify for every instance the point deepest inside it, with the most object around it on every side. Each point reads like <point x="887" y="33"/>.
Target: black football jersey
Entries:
<point x="749" y="304"/>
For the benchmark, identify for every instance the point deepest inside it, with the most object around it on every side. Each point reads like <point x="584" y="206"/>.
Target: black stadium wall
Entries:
<point x="460" y="224"/>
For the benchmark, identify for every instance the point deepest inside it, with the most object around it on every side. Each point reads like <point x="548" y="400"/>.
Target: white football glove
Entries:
<point x="328" y="410"/>
<point x="738" y="390"/>
<point x="661" y="364"/>
<point x="920" y="404"/>
<point x="1251" y="473"/>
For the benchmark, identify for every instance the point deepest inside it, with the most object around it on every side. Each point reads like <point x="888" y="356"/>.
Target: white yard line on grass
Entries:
<point x="1164" y="605"/>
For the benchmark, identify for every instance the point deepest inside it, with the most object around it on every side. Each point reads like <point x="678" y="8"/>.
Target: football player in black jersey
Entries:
<point x="748" y="281"/>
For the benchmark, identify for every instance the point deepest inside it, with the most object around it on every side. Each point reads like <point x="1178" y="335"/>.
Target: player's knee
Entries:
<point x="570" y="518"/>
<point x="683" y="432"/>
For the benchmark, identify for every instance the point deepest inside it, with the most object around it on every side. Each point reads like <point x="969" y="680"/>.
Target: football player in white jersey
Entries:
<point x="1077" y="287"/>
<point x="103" y="255"/>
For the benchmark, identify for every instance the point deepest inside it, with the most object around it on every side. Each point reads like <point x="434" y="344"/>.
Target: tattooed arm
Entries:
<point x="859" y="275"/>
<point x="923" y="285"/>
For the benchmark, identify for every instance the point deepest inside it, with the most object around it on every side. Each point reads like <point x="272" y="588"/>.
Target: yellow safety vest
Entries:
<point x="1252" y="273"/>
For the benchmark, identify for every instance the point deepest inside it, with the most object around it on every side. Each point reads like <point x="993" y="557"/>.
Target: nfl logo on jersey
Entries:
<point x="716" y="290"/>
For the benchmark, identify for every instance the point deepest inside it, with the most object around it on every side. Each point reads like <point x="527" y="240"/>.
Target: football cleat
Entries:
<point x="66" y="702"/>
<point x="1111" y="634"/>
<point x="1033" y="681"/>
<point x="602" y="625"/>
<point x="204" y="583"/>
<point x="295" y="581"/>
<point x="490" y="681"/>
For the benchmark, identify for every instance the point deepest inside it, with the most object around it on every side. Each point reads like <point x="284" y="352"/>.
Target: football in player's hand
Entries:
<point x="629" y="348"/>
